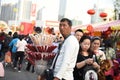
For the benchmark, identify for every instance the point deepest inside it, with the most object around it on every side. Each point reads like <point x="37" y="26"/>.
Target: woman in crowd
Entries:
<point x="85" y="57"/>
<point x="95" y="47"/>
<point x="21" y="44"/>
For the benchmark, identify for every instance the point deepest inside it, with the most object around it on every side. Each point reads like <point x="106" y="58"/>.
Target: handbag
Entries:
<point x="2" y="73"/>
<point x="49" y="73"/>
<point x="90" y="73"/>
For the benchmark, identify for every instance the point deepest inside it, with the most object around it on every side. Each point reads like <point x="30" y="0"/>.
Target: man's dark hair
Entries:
<point x="68" y="20"/>
<point x="21" y="37"/>
<point x="15" y="35"/>
<point x="37" y="29"/>
<point x="10" y="33"/>
<point x="79" y="30"/>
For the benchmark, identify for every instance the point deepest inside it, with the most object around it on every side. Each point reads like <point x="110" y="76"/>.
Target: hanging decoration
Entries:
<point x="90" y="28"/>
<point x="103" y="14"/>
<point x="91" y="11"/>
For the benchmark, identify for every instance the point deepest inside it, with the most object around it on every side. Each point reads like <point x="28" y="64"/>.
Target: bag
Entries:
<point x="1" y="70"/>
<point x="8" y="57"/>
<point x="90" y="73"/>
<point x="6" y="42"/>
<point x="49" y="74"/>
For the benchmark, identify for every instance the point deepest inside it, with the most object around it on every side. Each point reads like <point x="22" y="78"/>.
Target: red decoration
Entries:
<point x="103" y="14"/>
<point x="91" y="12"/>
<point x="108" y="31"/>
<point x="90" y="28"/>
<point x="48" y="30"/>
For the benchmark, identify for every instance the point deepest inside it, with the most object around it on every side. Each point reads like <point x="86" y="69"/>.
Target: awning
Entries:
<point x="114" y="25"/>
<point x="117" y="27"/>
<point x="102" y="26"/>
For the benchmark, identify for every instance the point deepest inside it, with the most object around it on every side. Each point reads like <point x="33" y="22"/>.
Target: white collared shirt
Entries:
<point x="67" y="59"/>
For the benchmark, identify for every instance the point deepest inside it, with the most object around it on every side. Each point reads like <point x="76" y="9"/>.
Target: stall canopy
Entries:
<point x="102" y="26"/>
<point x="114" y="25"/>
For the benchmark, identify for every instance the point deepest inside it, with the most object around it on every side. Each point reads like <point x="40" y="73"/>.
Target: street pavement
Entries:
<point x="11" y="74"/>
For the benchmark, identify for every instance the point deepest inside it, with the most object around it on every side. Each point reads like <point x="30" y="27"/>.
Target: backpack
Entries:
<point x="6" y="42"/>
<point x="90" y="73"/>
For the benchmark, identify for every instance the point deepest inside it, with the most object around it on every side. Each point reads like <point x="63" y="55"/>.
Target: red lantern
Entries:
<point x="90" y="28"/>
<point x="103" y="14"/>
<point x="91" y="12"/>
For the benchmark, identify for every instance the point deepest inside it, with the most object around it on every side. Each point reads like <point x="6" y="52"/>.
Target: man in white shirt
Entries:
<point x="68" y="52"/>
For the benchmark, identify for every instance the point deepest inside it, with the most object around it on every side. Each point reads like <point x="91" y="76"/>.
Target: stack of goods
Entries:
<point x="42" y="39"/>
<point x="41" y="49"/>
<point x="40" y="53"/>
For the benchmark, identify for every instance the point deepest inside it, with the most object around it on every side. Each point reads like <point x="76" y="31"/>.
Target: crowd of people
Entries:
<point x="77" y="54"/>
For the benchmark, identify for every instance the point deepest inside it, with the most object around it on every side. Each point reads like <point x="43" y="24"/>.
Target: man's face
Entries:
<point x="64" y="28"/>
<point x="78" y="35"/>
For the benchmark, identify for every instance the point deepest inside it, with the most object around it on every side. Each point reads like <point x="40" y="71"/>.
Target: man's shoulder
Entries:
<point x="72" y="40"/>
<point x="72" y="37"/>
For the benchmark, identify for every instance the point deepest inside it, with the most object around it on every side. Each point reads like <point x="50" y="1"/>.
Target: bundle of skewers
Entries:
<point x="41" y="49"/>
<point x="42" y="39"/>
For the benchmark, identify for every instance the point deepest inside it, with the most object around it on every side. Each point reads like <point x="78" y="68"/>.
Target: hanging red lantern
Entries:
<point x="91" y="11"/>
<point x="103" y="14"/>
<point x="90" y="28"/>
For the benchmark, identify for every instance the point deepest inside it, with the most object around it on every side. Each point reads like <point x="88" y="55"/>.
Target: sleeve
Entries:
<point x="103" y="55"/>
<point x="96" y="59"/>
<point x="11" y="43"/>
<point x="113" y="54"/>
<point x="17" y="44"/>
<point x="69" y="51"/>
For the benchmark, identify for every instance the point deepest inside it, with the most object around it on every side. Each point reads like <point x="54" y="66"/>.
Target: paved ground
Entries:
<point x="11" y="74"/>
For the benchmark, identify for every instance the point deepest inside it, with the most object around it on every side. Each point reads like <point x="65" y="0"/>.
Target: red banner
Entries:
<point x="26" y="28"/>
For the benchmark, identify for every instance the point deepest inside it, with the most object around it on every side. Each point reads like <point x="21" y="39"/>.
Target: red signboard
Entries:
<point x="26" y="28"/>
